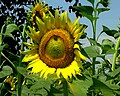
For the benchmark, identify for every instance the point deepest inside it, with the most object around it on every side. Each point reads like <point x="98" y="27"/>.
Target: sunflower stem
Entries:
<point x="65" y="88"/>
<point x="115" y="54"/>
<point x="94" y="22"/>
<point x="8" y="60"/>
<point x="20" y="77"/>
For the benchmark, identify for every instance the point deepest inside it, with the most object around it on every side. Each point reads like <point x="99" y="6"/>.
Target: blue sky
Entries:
<point x="109" y="19"/>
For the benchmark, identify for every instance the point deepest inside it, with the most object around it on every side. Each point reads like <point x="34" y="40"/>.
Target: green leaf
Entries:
<point x="91" y="1"/>
<point x="106" y="91"/>
<point x="109" y="32"/>
<point x="100" y="10"/>
<point x="110" y="51"/>
<point x="2" y="47"/>
<point x="118" y="92"/>
<point x="86" y="11"/>
<point x="25" y="91"/>
<point x="93" y="51"/>
<point x="40" y="86"/>
<point x="80" y="87"/>
<point x="115" y="73"/>
<point x="22" y="71"/>
<point x="107" y="42"/>
<point x="11" y="28"/>
<point x="93" y="42"/>
<point x="116" y="35"/>
<point x="107" y="46"/>
<point x="6" y="70"/>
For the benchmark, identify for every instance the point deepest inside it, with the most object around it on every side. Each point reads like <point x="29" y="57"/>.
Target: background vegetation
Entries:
<point x="101" y="77"/>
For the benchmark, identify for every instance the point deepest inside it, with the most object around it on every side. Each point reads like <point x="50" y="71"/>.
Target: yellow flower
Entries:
<point x="38" y="10"/>
<point x="54" y="50"/>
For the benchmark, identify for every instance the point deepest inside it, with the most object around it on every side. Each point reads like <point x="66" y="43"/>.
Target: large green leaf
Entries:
<point x="93" y="51"/>
<point x="6" y="70"/>
<point x="40" y="86"/>
<point x="103" y="87"/>
<point x="80" y="87"/>
<point x="86" y="11"/>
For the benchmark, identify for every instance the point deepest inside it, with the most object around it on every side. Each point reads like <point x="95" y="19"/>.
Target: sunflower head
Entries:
<point x="38" y="11"/>
<point x="54" y="49"/>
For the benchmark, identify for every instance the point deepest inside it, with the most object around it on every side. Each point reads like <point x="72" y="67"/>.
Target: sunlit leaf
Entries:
<point x="107" y="42"/>
<point x="11" y="28"/>
<point x="6" y="70"/>
<point x="80" y="87"/>
<point x="93" y="51"/>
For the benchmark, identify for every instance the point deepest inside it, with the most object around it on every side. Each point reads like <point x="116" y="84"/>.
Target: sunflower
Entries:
<point x="38" y="10"/>
<point x="54" y="49"/>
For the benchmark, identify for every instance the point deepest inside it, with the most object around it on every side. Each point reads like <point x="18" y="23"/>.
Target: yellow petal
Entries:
<point x="41" y="25"/>
<point x="77" y="36"/>
<point x="78" y="54"/>
<point x="38" y="66"/>
<point x="76" y="21"/>
<point x="43" y="71"/>
<point x="30" y="57"/>
<point x="78" y="30"/>
<point x="74" y="28"/>
<point x="57" y="23"/>
<point x="76" y="46"/>
<point x="31" y="64"/>
<point x="49" y="71"/>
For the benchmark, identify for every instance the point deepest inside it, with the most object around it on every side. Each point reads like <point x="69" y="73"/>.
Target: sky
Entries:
<point x="109" y="18"/>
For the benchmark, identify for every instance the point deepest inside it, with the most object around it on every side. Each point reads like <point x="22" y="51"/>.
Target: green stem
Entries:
<point x="115" y="54"/>
<point x="93" y="66"/>
<point x="20" y="77"/>
<point x="1" y="41"/>
<point x="8" y="60"/>
<point x="65" y="88"/>
<point x="1" y="34"/>
<point x="94" y="35"/>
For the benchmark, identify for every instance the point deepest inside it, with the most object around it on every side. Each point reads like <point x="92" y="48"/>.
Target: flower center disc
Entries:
<point x="56" y="48"/>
